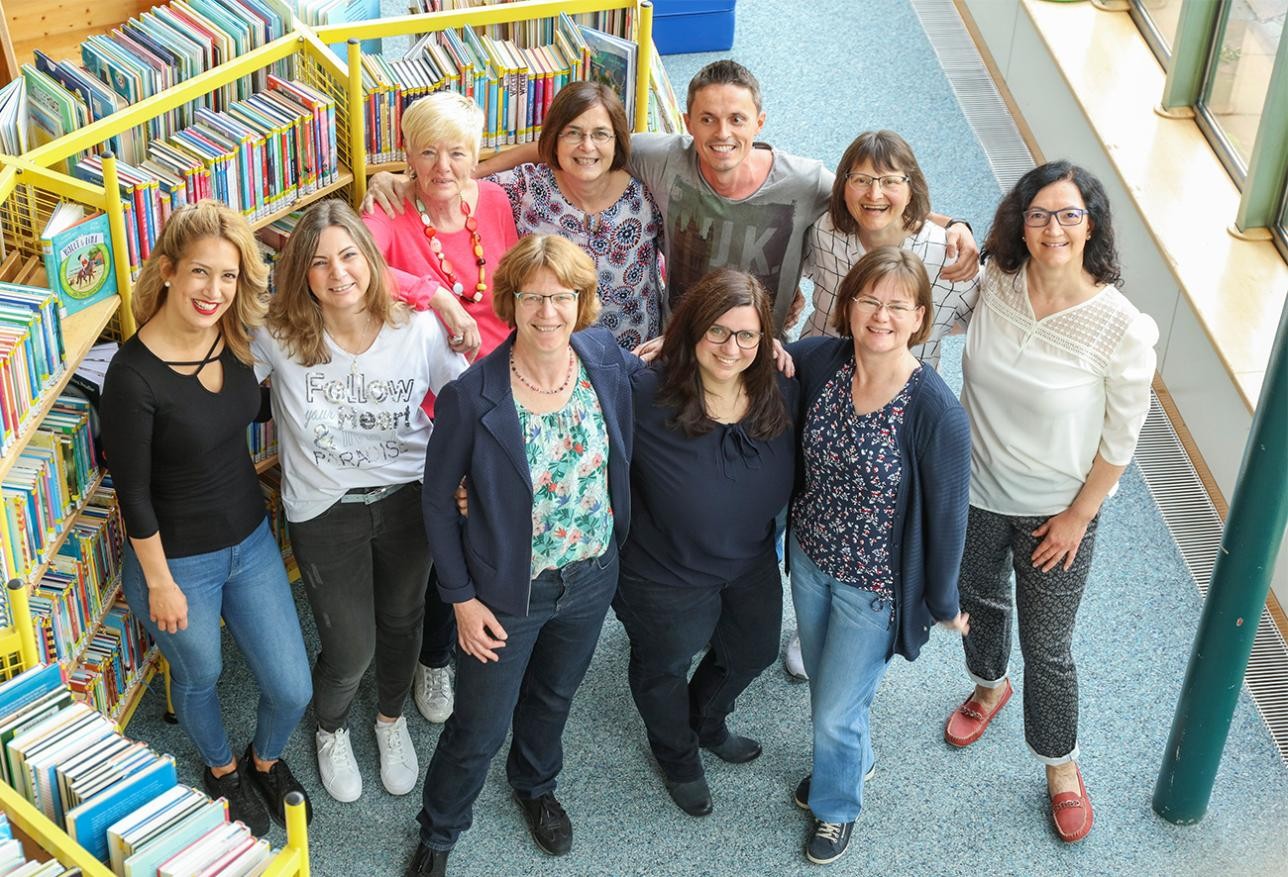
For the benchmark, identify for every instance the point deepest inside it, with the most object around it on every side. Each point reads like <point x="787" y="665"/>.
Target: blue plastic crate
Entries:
<point x="693" y="25"/>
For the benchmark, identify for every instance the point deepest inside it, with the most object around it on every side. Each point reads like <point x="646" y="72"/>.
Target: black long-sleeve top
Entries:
<point x="177" y="452"/>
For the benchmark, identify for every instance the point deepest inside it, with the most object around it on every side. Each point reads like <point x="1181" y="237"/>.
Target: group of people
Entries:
<point x="509" y="398"/>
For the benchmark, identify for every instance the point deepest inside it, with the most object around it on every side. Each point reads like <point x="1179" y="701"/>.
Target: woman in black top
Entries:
<point x="713" y="465"/>
<point x="176" y="403"/>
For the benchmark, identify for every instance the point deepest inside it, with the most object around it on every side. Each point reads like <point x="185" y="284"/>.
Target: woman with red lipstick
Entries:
<point x="176" y="403"/>
<point x="349" y="367"/>
<point x="1057" y="370"/>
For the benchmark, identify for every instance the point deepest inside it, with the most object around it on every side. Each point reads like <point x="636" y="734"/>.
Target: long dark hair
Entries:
<point x="681" y="385"/>
<point x="1005" y="241"/>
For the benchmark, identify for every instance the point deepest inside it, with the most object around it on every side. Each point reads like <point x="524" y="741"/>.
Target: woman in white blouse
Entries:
<point x="1057" y="371"/>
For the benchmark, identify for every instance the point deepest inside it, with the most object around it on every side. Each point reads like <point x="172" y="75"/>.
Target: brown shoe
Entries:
<point x="968" y="721"/>
<point x="1071" y="812"/>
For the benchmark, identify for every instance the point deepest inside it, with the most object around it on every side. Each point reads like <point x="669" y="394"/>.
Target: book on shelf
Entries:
<point x="14" y="121"/>
<point x="32" y="353"/>
<point x="319" y="13"/>
<point x="53" y="112"/>
<point x="78" y="256"/>
<point x="612" y="63"/>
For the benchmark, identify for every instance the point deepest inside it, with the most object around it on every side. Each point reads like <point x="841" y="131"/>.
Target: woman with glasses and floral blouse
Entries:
<point x="714" y="462"/>
<point x="1057" y="371"/>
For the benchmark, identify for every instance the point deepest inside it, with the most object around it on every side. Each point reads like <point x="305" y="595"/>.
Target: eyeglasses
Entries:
<point x="574" y="136"/>
<point x="887" y="181"/>
<point x="534" y="300"/>
<point x="746" y="339"/>
<point x="897" y="309"/>
<point x="1036" y="217"/>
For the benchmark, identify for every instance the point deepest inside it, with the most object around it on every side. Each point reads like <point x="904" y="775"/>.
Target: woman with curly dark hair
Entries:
<point x="1057" y="369"/>
<point x="713" y="464"/>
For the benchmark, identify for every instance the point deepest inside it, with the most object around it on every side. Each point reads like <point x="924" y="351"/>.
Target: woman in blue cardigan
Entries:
<point x="878" y="521"/>
<point x="541" y="430"/>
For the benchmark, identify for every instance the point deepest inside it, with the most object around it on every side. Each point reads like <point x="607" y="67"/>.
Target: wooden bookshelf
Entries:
<point x="56" y="27"/>
<point x="52" y="548"/>
<point x="343" y="179"/>
<point x="262" y="466"/>
<point x="80" y="332"/>
<point x="72" y="664"/>
<point x="133" y="696"/>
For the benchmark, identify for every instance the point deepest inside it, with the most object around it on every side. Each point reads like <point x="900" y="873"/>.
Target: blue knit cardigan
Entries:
<point x="929" y="530"/>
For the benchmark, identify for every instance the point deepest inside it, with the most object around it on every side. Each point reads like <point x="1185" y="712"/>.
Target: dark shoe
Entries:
<point x="549" y="824"/>
<point x="243" y="803"/>
<point x="275" y="784"/>
<point x="693" y="797"/>
<point x="428" y="863"/>
<point x="801" y="795"/>
<point x="828" y="842"/>
<point x="735" y="749"/>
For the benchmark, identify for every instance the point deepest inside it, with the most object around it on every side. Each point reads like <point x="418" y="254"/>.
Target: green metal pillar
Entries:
<point x="1268" y="167"/>
<point x="1196" y="29"/>
<point x="1254" y="530"/>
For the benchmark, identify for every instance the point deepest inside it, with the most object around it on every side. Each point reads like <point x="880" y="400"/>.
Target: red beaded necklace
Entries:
<point x="436" y="247"/>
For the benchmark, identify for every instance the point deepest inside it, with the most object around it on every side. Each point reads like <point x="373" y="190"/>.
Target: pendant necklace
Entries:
<point x="436" y="247"/>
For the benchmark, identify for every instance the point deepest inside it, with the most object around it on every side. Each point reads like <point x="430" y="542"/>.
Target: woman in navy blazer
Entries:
<point x="540" y="429"/>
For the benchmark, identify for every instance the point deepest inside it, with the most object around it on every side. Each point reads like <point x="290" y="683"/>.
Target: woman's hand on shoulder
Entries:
<point x="168" y="607"/>
<point x="961" y="243"/>
<point x="478" y="631"/>
<point x="387" y="191"/>
<point x="462" y="330"/>
<point x="649" y="350"/>
<point x="961" y="623"/>
<point x="783" y="360"/>
<point x="1061" y="537"/>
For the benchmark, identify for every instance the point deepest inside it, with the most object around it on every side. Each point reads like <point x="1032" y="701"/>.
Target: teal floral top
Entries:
<point x="567" y="452"/>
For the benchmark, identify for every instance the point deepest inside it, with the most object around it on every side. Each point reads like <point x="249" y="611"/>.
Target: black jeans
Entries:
<point x="364" y="569"/>
<point x="438" y="637"/>
<point x="667" y="626"/>
<point x="530" y="688"/>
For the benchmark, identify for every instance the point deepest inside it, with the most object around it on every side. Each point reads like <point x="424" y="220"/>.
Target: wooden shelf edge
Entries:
<point x="265" y="464"/>
<point x="344" y="178"/>
<point x="80" y="331"/>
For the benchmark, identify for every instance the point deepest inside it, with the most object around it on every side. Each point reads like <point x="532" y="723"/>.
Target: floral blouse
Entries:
<point x="844" y="516"/>
<point x="567" y="450"/>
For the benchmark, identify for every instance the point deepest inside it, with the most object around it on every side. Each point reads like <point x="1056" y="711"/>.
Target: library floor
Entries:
<point x="930" y="810"/>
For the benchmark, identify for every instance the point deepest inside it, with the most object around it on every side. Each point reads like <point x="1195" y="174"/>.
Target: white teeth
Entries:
<point x="205" y="307"/>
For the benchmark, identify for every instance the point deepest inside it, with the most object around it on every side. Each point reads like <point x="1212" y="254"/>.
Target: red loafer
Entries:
<point x="968" y="721"/>
<point x="1071" y="813"/>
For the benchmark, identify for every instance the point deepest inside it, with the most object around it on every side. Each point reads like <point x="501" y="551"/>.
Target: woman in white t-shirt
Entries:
<point x="1057" y="371"/>
<point x="349" y="369"/>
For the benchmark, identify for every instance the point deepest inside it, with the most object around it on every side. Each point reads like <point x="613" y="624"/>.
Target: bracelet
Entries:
<point x="950" y="223"/>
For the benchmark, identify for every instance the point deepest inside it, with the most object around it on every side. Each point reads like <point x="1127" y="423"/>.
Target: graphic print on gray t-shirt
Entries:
<point x="342" y="411"/>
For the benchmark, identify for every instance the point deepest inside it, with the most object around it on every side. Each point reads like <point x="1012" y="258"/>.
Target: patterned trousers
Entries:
<point x="1047" y="606"/>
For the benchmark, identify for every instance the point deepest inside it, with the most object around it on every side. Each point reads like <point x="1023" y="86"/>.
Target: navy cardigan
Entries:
<point x="929" y="529"/>
<point x="476" y="435"/>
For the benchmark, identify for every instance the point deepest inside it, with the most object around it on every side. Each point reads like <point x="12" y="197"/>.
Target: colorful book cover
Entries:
<point x="78" y="257"/>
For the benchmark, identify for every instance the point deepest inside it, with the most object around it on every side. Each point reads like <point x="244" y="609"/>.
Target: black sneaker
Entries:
<point x="428" y="863"/>
<point x="275" y="784"/>
<point x="801" y="795"/>
<point x="735" y="749"/>
<point x="693" y="797"/>
<point x="828" y="842"/>
<point x="549" y="824"/>
<point x="243" y="803"/>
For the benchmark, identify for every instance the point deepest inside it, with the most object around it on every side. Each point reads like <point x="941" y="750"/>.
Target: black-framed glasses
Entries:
<point x="533" y="300"/>
<point x="887" y="181"/>
<point x="746" y="339"/>
<point x="1036" y="217"/>
<point x="599" y="136"/>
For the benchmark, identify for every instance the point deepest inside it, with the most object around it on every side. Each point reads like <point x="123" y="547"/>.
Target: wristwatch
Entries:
<point x="950" y="223"/>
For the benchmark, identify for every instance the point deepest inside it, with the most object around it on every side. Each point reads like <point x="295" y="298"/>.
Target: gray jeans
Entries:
<point x="365" y="568"/>
<point x="1047" y="606"/>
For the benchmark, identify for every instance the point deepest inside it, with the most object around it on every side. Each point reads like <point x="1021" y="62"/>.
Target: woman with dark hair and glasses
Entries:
<point x="877" y="522"/>
<point x="1057" y="369"/>
<point x="713" y="464"/>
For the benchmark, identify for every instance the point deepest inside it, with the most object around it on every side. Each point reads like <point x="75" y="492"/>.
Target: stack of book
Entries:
<point x="113" y="663"/>
<point x="31" y="354"/>
<point x="48" y="482"/>
<point x="14" y="861"/>
<point x="262" y="439"/>
<point x="115" y="797"/>
<point x="14" y="122"/>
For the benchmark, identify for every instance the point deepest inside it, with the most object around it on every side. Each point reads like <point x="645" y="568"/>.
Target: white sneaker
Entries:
<point x="337" y="766"/>
<point x="399" y="769"/>
<point x="792" y="662"/>
<point x="432" y="691"/>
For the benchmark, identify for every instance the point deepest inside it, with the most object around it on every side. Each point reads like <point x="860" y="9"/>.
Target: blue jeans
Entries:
<point x="530" y="688"/>
<point x="245" y="585"/>
<point x="846" y="637"/>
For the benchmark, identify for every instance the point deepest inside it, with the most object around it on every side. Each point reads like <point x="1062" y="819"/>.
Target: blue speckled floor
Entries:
<point x="831" y="69"/>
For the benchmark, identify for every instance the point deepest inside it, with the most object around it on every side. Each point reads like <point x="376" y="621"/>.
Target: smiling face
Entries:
<point x="545" y="327"/>
<point x="585" y="147"/>
<point x="338" y="272"/>
<point x="876" y="208"/>
<point x="883" y="330"/>
<point x="203" y="283"/>
<point x="1054" y="245"/>
<point x="722" y="362"/>
<point x="724" y="122"/>
<point x="442" y="169"/>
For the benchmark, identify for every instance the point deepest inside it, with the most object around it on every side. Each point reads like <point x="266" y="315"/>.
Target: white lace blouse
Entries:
<point x="1044" y="396"/>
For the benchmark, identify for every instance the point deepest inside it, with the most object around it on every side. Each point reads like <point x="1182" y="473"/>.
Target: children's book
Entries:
<point x="612" y="62"/>
<point x="78" y="257"/>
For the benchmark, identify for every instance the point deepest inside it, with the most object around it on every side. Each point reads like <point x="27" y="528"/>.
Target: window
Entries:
<point x="1238" y="76"/>
<point x="1281" y="227"/>
<point x="1157" y="20"/>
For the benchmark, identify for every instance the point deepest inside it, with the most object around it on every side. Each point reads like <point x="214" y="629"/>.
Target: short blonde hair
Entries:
<point x="561" y="257"/>
<point x="444" y="116"/>
<point x="187" y="226"/>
